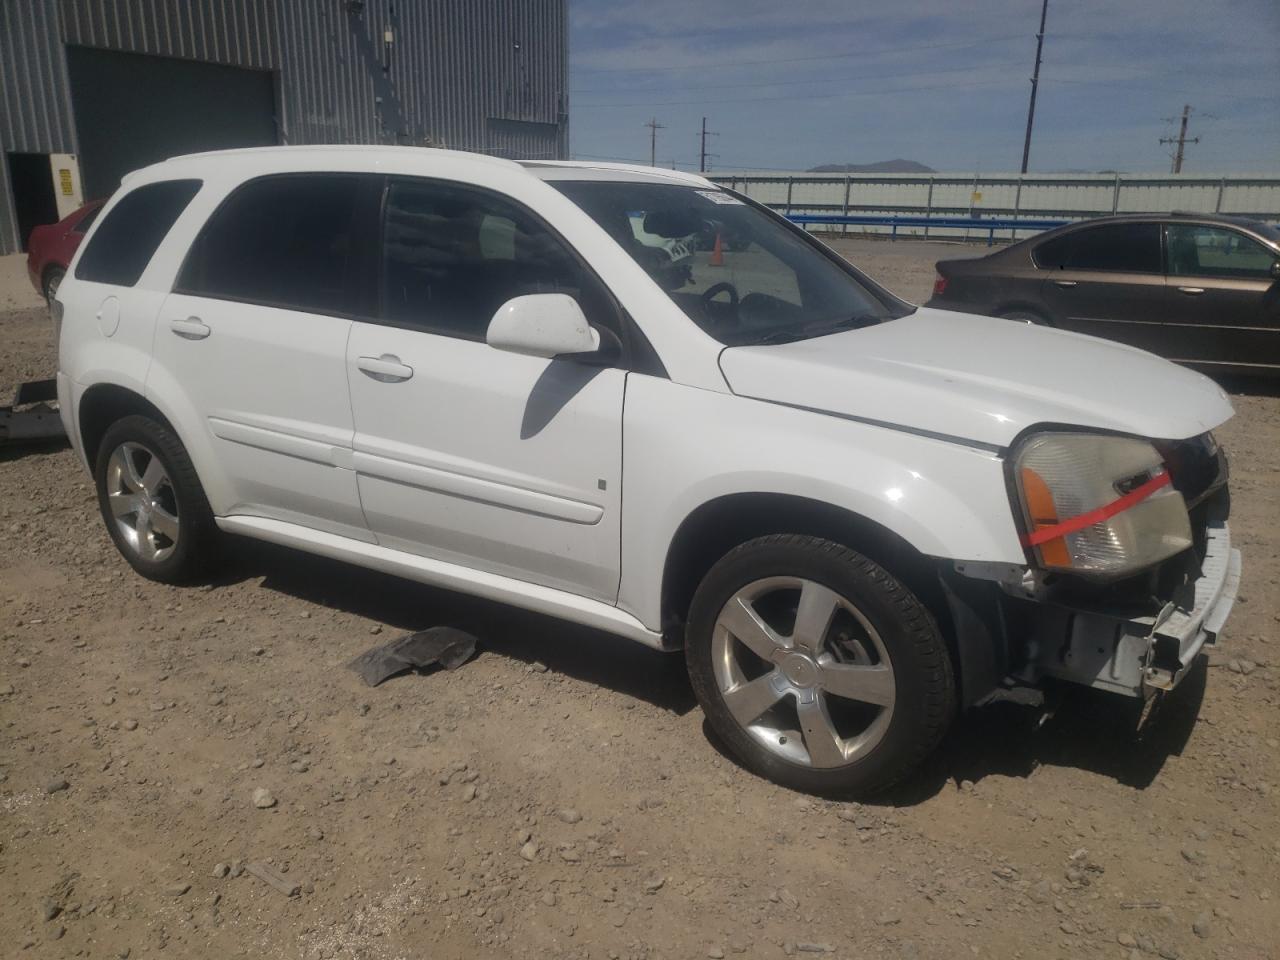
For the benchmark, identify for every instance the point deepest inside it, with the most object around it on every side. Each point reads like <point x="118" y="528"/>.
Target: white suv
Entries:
<point x="856" y="516"/>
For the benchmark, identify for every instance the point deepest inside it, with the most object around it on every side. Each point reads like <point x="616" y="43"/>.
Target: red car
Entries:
<point x="51" y="247"/>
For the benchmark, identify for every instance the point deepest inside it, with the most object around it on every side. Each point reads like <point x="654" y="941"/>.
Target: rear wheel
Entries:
<point x="52" y="280"/>
<point x="816" y="667"/>
<point x="152" y="501"/>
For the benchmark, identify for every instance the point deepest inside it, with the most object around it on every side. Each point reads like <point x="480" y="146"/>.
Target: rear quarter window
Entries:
<point x="1053" y="254"/>
<point x="131" y="232"/>
<point x="85" y="222"/>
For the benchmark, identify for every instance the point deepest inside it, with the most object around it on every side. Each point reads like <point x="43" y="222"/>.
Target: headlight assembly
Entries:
<point x="1098" y="505"/>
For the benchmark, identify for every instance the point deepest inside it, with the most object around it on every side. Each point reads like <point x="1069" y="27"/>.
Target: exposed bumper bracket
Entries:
<point x="1138" y="656"/>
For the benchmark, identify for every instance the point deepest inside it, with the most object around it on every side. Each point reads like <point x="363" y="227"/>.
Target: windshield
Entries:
<point x="1267" y="230"/>
<point x="737" y="272"/>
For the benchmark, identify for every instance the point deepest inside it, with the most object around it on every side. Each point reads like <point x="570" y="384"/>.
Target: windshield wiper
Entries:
<point x="818" y="329"/>
<point x="779" y="336"/>
<point x="847" y="323"/>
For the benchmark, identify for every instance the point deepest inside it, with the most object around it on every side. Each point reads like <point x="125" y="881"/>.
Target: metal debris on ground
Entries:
<point x="447" y="646"/>
<point x="39" y="418"/>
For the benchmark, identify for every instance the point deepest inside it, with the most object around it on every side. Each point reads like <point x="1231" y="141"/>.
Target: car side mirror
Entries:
<point x="1275" y="269"/>
<point x="542" y="325"/>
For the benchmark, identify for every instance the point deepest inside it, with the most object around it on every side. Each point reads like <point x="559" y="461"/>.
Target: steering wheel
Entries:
<point x="714" y="291"/>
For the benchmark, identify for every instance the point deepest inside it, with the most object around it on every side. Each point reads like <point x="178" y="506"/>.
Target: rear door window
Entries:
<point x="1116" y="248"/>
<point x="130" y="234"/>
<point x="295" y="241"/>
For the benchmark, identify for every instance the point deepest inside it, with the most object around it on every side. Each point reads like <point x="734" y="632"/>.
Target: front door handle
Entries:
<point x="1191" y="291"/>
<point x="192" y="328"/>
<point x="385" y="369"/>
<point x="1065" y="283"/>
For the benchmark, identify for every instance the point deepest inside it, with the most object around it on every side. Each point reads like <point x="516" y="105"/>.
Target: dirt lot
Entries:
<point x="559" y="796"/>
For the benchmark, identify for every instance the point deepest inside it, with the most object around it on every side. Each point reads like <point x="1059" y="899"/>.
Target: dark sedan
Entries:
<point x="1199" y="289"/>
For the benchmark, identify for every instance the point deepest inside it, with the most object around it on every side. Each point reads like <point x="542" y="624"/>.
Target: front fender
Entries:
<point x="685" y="447"/>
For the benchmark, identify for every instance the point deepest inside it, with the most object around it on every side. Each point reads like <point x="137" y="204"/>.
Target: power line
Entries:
<point x="654" y="126"/>
<point x="1181" y="139"/>
<point x="1135" y="80"/>
<point x="789" y="83"/>
<point x="1035" y="82"/>
<point x="715" y="65"/>
<point x="807" y="96"/>
<point x="702" y="151"/>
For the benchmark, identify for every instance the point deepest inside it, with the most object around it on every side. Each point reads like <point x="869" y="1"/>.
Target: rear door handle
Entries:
<point x="1065" y="283"/>
<point x="192" y="328"/>
<point x="385" y="369"/>
<point x="1191" y="291"/>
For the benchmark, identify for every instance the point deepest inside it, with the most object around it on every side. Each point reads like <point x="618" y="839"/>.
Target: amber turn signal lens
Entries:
<point x="1043" y="513"/>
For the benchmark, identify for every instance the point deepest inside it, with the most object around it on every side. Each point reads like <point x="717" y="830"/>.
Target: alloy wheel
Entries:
<point x="803" y="671"/>
<point x="143" y="502"/>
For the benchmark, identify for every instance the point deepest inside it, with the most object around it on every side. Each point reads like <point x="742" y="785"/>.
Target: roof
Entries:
<point x="592" y="170"/>
<point x="1257" y="227"/>
<point x="400" y="158"/>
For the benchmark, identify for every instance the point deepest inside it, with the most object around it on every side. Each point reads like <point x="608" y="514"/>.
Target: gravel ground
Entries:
<point x="559" y="796"/>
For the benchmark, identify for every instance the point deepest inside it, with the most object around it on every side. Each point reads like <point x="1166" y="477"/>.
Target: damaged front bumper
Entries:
<point x="1137" y="655"/>
<point x="1011" y="637"/>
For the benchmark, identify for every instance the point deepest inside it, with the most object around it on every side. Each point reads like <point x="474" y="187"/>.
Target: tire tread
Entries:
<point x="919" y="626"/>
<point x="194" y="560"/>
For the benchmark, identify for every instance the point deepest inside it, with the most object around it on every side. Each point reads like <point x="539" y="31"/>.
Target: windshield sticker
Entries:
<point x="718" y="196"/>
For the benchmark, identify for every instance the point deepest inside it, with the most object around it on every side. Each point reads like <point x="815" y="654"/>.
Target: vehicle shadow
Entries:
<point x="591" y="656"/>
<point x="1090" y="730"/>
<point x="1102" y="733"/>
<point x="33" y="448"/>
<point x="1258" y="386"/>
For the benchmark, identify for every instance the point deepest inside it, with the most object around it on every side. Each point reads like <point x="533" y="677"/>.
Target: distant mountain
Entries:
<point x="883" y="166"/>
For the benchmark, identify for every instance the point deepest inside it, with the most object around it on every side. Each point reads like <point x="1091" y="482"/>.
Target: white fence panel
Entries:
<point x="1033" y="196"/>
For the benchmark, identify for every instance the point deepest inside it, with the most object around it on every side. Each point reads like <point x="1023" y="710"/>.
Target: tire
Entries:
<point x="52" y="278"/>
<point x="1026" y="316"/>
<point x="156" y="513"/>
<point x="811" y="738"/>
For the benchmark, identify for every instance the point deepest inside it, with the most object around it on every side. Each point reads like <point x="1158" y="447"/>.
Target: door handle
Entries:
<point x="1065" y="283"/>
<point x="192" y="328"/>
<point x="385" y="369"/>
<point x="1191" y="291"/>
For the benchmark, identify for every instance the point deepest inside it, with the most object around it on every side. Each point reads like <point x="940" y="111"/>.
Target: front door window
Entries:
<point x="1195" y="250"/>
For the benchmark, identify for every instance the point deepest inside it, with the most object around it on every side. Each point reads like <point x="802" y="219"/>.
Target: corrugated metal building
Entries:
<point x="90" y="89"/>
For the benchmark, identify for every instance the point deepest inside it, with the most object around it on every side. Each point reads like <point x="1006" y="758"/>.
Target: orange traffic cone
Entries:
<point x="717" y="254"/>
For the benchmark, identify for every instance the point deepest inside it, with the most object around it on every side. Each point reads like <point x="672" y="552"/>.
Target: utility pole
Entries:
<point x="1035" y="82"/>
<point x="654" y="126"/>
<point x="702" y="153"/>
<point x="1181" y="139"/>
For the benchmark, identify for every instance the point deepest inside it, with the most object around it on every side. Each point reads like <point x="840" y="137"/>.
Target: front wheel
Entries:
<point x="818" y="669"/>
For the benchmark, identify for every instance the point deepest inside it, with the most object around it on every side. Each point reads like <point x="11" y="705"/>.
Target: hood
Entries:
<point x="979" y="379"/>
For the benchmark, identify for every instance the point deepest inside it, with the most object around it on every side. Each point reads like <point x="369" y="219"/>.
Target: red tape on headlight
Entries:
<point x="1103" y="513"/>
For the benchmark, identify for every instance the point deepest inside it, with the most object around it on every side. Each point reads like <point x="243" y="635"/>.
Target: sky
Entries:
<point x="789" y="85"/>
